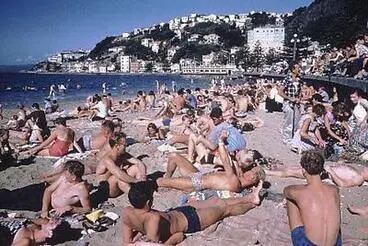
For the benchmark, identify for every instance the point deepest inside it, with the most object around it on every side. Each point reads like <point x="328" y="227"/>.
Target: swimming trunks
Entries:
<point x="299" y="238"/>
<point x="59" y="148"/>
<point x="196" y="179"/>
<point x="190" y="213"/>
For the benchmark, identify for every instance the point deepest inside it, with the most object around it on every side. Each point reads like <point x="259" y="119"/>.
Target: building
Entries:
<point x="129" y="64"/>
<point x="55" y="59"/>
<point x="175" y="68"/>
<point x="194" y="38"/>
<point x="171" y="52"/>
<point x="115" y="49"/>
<point x="269" y="37"/>
<point x="156" y="46"/>
<point x="212" y="39"/>
<point x="208" y="59"/>
<point x="126" y="35"/>
<point x="147" y="42"/>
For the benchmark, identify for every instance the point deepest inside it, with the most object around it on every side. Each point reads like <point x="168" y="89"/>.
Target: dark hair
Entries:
<point x="140" y="93"/>
<point x="258" y="158"/>
<point x="312" y="162"/>
<point x="357" y="91"/>
<point x="108" y="124"/>
<point x="151" y="93"/>
<point x="62" y="231"/>
<point x="216" y="113"/>
<point x="109" y="94"/>
<point x="153" y="126"/>
<point x="116" y="138"/>
<point x="181" y="91"/>
<point x="188" y="91"/>
<point x="79" y="109"/>
<point x="197" y="89"/>
<point x="319" y="109"/>
<point x="75" y="168"/>
<point x="60" y="121"/>
<point x="36" y="106"/>
<point x="317" y="97"/>
<point x="140" y="193"/>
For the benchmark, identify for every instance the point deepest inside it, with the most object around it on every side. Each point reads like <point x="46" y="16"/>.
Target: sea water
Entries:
<point x="29" y="88"/>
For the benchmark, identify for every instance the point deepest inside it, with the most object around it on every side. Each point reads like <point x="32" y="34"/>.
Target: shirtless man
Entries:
<point x="234" y="177"/>
<point x="169" y="227"/>
<point x="96" y="142"/>
<point x="341" y="175"/>
<point x="314" y="208"/>
<point x="119" y="168"/>
<point x="61" y="138"/>
<point x="179" y="100"/>
<point x="31" y="233"/>
<point x="241" y="104"/>
<point x="68" y="194"/>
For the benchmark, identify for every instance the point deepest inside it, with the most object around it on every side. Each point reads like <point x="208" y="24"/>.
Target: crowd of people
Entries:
<point x="350" y="61"/>
<point x="202" y="127"/>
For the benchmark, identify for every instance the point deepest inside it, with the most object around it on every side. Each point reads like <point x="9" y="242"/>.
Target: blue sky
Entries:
<point x="30" y="30"/>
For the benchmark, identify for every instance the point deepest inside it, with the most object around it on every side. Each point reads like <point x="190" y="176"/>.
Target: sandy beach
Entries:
<point x="265" y="225"/>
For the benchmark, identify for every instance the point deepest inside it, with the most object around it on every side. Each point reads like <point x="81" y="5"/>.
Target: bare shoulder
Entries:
<point x="127" y="214"/>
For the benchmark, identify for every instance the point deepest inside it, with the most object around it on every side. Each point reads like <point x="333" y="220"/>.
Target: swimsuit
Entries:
<point x="59" y="148"/>
<point x="196" y="179"/>
<point x="299" y="238"/>
<point x="85" y="143"/>
<point x="190" y="213"/>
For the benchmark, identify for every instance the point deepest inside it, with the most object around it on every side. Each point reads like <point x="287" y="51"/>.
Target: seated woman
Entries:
<point x="31" y="132"/>
<point x="153" y="133"/>
<point x="307" y="135"/>
<point x="58" y="143"/>
<point x="336" y="129"/>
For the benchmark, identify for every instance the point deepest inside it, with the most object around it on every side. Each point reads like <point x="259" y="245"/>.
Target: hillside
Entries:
<point x="335" y="22"/>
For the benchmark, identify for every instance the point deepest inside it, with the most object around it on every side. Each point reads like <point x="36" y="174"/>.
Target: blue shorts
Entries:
<point x="299" y="238"/>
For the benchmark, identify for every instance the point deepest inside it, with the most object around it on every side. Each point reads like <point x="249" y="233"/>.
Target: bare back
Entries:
<point x="319" y="207"/>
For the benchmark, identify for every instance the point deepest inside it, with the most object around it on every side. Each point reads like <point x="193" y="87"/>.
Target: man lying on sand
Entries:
<point x="69" y="193"/>
<point x="96" y="142"/>
<point x="314" y="208"/>
<point x="30" y="233"/>
<point x="341" y="175"/>
<point x="234" y="177"/>
<point x="169" y="227"/>
<point x="119" y="168"/>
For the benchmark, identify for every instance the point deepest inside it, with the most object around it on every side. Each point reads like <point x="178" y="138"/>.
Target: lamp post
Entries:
<point x="294" y="40"/>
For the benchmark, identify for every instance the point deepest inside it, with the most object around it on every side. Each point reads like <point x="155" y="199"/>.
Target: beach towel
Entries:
<point x="209" y="194"/>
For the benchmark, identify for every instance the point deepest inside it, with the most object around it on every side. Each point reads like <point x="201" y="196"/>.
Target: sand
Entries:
<point x="265" y="225"/>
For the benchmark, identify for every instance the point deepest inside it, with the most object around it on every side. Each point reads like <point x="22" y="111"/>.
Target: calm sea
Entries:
<point x="12" y="86"/>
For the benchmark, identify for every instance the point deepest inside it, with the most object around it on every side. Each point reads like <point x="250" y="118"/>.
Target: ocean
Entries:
<point x="12" y="86"/>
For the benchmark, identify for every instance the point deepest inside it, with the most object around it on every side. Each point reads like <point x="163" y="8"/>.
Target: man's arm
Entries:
<point x="127" y="230"/>
<point x="46" y="200"/>
<point x="152" y="228"/>
<point x="118" y="173"/>
<point x="291" y="192"/>
<point x="224" y="154"/>
<point x="141" y="166"/>
<point x="175" y="238"/>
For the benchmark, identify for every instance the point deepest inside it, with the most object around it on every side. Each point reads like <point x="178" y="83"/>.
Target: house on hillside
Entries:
<point x="147" y="42"/>
<point x="268" y="37"/>
<point x="156" y="46"/>
<point x="212" y="39"/>
<point x="194" y="38"/>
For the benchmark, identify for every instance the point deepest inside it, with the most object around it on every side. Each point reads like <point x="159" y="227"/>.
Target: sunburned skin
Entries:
<point x="66" y="194"/>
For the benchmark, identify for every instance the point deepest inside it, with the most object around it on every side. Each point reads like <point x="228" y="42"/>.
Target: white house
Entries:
<point x="55" y="59"/>
<point x="212" y="39"/>
<point x="194" y="37"/>
<point x="269" y="37"/>
<point x="156" y="46"/>
<point x="208" y="59"/>
<point x="175" y="68"/>
<point x="115" y="49"/>
<point x="126" y="35"/>
<point x="147" y="42"/>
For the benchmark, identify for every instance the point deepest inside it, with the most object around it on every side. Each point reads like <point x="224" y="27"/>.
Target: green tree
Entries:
<point x="271" y="57"/>
<point x="257" y="56"/>
<point x="242" y="57"/>
<point x="148" y="67"/>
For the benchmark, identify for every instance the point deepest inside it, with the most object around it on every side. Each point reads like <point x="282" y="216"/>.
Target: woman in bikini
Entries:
<point x="58" y="143"/>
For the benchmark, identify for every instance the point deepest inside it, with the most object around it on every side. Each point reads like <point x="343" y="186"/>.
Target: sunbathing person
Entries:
<point x="153" y="133"/>
<point x="31" y="233"/>
<point x="235" y="176"/>
<point x="314" y="208"/>
<point x="201" y="145"/>
<point x="69" y="193"/>
<point x="119" y="168"/>
<point x="96" y="142"/>
<point x="341" y="175"/>
<point x="169" y="227"/>
<point x="58" y="143"/>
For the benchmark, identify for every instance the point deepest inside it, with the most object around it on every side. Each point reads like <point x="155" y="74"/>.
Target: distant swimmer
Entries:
<point x="62" y="89"/>
<point x="8" y="88"/>
<point x="79" y="86"/>
<point x="52" y="91"/>
<point x="173" y="86"/>
<point x="104" y="87"/>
